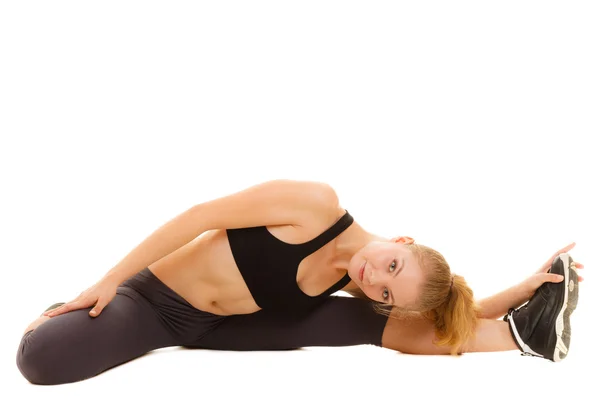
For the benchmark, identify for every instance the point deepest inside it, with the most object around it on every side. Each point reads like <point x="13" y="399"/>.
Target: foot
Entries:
<point x="542" y="327"/>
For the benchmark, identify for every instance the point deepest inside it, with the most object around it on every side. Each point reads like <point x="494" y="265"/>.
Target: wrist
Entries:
<point x="113" y="277"/>
<point x="524" y="292"/>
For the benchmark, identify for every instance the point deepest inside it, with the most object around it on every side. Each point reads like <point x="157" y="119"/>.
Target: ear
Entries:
<point x="403" y="239"/>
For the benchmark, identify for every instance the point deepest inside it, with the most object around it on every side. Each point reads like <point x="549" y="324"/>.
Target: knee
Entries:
<point x="38" y="361"/>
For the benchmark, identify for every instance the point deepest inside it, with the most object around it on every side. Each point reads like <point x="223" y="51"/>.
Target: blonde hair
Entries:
<point x="445" y="299"/>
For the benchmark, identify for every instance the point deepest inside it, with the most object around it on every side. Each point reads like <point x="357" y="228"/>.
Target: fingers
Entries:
<point x="94" y="312"/>
<point x="565" y="249"/>
<point x="54" y="311"/>
<point x="578" y="266"/>
<point x="546" y="266"/>
<point x="73" y="305"/>
<point x="552" y="278"/>
<point x="76" y="305"/>
<point x="557" y="278"/>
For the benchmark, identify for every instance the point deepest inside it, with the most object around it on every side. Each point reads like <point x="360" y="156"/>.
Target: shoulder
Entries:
<point x="317" y="203"/>
<point x="322" y="192"/>
<point x="323" y="197"/>
<point x="326" y="195"/>
<point x="274" y="202"/>
<point x="318" y="196"/>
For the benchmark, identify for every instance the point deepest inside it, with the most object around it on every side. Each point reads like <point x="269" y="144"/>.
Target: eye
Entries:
<point x="393" y="266"/>
<point x="385" y="294"/>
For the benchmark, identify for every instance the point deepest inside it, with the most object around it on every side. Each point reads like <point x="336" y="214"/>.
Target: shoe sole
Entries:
<point x="571" y="296"/>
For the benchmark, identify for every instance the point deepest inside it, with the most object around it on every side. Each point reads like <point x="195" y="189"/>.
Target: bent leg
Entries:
<point x="74" y="346"/>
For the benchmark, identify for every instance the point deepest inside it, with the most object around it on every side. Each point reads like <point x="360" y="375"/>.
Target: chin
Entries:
<point x="355" y="264"/>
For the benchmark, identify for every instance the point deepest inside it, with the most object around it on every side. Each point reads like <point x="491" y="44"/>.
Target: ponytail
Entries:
<point x="456" y="318"/>
<point x="446" y="299"/>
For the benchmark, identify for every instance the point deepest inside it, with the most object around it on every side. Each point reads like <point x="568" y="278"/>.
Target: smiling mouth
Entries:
<point x="361" y="273"/>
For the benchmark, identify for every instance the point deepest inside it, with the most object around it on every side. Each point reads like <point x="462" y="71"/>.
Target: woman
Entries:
<point x="255" y="270"/>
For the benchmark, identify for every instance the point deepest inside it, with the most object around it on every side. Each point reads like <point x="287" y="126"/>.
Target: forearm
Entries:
<point x="169" y="237"/>
<point x="496" y="306"/>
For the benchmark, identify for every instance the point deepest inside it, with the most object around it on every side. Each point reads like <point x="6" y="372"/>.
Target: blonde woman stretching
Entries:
<point x="256" y="269"/>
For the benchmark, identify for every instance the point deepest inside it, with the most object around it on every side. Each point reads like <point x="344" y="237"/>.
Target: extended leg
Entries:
<point x="340" y="321"/>
<point x="415" y="335"/>
<point x="343" y="321"/>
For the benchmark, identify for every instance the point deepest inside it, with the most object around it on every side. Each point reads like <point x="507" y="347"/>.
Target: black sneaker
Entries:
<point x="541" y="327"/>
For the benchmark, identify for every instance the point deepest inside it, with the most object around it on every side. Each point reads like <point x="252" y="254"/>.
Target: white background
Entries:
<point x="470" y="126"/>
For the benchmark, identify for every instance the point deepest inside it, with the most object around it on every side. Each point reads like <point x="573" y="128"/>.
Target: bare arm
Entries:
<point x="274" y="202"/>
<point x="169" y="237"/>
<point x="277" y="202"/>
<point x="494" y="307"/>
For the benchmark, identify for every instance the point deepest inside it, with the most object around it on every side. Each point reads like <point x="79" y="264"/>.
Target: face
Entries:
<point x="388" y="272"/>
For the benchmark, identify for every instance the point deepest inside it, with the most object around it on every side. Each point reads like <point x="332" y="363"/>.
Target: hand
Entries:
<point x="542" y="276"/>
<point x="100" y="295"/>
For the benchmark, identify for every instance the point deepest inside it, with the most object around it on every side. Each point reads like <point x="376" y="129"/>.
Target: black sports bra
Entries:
<point x="269" y="266"/>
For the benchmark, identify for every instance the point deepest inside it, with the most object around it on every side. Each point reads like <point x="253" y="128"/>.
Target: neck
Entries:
<point x="348" y="243"/>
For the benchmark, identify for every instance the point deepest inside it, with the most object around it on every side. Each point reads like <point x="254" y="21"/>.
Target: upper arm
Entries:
<point x="276" y="202"/>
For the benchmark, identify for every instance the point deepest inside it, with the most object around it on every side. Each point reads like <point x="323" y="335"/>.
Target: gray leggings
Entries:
<point x="146" y="315"/>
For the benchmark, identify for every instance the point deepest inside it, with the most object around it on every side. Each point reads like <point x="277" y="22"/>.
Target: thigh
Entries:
<point x="74" y="346"/>
<point x="339" y="321"/>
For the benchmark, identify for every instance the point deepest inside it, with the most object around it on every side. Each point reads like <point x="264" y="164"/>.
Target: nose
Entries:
<point x="374" y="277"/>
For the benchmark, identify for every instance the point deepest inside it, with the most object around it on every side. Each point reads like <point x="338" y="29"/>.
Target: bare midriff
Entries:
<point x="205" y="274"/>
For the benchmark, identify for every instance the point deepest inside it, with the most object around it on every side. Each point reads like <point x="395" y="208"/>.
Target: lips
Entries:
<point x="361" y="272"/>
